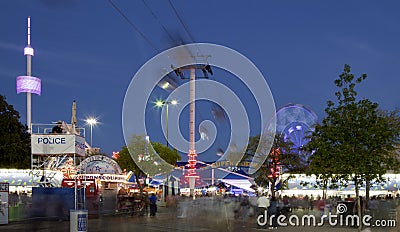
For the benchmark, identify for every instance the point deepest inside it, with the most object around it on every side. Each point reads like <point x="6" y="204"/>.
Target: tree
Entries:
<point x="260" y="176"/>
<point x="166" y="153"/>
<point x="15" y="142"/>
<point x="145" y="162"/>
<point x="125" y="161"/>
<point x="281" y="157"/>
<point x="355" y="142"/>
<point x="389" y="123"/>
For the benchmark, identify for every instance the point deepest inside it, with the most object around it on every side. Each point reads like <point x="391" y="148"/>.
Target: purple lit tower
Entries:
<point x="28" y="84"/>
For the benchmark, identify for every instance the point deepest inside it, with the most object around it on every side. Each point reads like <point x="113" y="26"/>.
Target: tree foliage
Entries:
<point x="15" y="143"/>
<point x="355" y="141"/>
<point x="145" y="161"/>
<point x="166" y="153"/>
<point x="355" y="138"/>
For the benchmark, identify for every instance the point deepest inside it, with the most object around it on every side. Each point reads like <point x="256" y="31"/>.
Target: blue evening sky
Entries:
<point x="86" y="51"/>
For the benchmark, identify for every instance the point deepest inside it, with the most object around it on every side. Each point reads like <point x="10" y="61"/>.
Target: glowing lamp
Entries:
<point x="165" y="85"/>
<point x="159" y="103"/>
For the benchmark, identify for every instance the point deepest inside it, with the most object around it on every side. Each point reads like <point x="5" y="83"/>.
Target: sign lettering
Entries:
<point x="49" y="140"/>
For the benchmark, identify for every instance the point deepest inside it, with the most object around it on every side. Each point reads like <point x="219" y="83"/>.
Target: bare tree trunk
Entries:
<point x="367" y="188"/>
<point x="325" y="189"/>
<point x="273" y="188"/>
<point x="358" y="202"/>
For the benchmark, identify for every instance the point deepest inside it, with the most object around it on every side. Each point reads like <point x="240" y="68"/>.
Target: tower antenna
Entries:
<point x="29" y="30"/>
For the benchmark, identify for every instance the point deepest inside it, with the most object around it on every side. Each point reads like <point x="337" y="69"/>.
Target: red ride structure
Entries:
<point x="274" y="165"/>
<point x="192" y="176"/>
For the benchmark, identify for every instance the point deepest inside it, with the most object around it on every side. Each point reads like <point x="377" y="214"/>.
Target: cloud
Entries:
<point x="74" y="56"/>
<point x="10" y="46"/>
<point x="354" y="43"/>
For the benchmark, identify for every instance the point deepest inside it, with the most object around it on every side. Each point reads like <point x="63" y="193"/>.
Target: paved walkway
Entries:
<point x="203" y="216"/>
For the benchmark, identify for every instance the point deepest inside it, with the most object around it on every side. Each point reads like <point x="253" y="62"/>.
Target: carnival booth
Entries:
<point x="101" y="177"/>
<point x="21" y="183"/>
<point x="104" y="170"/>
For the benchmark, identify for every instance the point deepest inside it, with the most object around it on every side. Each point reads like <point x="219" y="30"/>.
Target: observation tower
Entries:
<point x="29" y="84"/>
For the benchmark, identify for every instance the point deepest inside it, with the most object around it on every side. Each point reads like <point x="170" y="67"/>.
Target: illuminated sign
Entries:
<point x="99" y="164"/>
<point x="25" y="177"/>
<point x="28" y="84"/>
<point x="102" y="177"/>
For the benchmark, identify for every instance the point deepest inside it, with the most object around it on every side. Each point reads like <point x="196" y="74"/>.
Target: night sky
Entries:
<point x="87" y="51"/>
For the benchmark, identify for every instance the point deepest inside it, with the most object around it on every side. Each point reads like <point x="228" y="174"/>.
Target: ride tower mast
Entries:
<point x="192" y="161"/>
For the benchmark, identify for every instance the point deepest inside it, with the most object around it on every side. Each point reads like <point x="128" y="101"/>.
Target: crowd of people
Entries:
<point x="15" y="199"/>
<point x="247" y="208"/>
<point x="253" y="206"/>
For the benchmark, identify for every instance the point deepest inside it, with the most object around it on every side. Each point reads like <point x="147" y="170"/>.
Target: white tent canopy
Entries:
<point x="239" y="181"/>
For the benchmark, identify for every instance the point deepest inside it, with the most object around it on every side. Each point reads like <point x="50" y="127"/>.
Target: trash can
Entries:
<point x="78" y="220"/>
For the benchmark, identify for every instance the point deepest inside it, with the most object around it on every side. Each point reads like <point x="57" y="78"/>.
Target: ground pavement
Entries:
<point x="201" y="216"/>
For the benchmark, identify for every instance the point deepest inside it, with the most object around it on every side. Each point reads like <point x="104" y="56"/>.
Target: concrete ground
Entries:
<point x="187" y="216"/>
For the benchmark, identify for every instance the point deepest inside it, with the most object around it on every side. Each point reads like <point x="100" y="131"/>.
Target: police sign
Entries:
<point x="46" y="140"/>
<point x="55" y="144"/>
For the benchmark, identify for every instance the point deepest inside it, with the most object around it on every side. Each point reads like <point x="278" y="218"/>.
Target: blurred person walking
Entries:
<point x="273" y="213"/>
<point x="153" y="204"/>
<point x="262" y="207"/>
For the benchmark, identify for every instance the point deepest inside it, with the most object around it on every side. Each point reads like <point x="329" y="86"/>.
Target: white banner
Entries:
<point x="56" y="144"/>
<point x="79" y="145"/>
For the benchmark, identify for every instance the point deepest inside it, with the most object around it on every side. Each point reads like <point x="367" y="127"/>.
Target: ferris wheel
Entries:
<point x="295" y="122"/>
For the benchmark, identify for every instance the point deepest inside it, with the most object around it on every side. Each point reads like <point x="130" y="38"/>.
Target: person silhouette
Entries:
<point x="153" y="204"/>
<point x="57" y="129"/>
